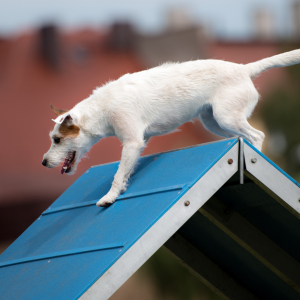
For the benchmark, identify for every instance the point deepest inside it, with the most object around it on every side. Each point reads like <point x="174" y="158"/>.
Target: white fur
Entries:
<point x="153" y="102"/>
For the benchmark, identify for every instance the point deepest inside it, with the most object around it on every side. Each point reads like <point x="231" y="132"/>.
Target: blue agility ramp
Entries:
<point x="223" y="209"/>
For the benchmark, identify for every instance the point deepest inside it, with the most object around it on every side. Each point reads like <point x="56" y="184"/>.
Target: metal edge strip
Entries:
<point x="164" y="228"/>
<point x="61" y="253"/>
<point x="272" y="163"/>
<point x="173" y="150"/>
<point x="241" y="159"/>
<point x="270" y="179"/>
<point x="121" y="197"/>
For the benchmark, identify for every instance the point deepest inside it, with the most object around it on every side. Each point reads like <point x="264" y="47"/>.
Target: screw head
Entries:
<point x="253" y="160"/>
<point x="186" y="203"/>
<point x="226" y="211"/>
<point x="230" y="161"/>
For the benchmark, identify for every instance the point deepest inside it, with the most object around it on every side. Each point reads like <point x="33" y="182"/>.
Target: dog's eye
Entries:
<point x="56" y="140"/>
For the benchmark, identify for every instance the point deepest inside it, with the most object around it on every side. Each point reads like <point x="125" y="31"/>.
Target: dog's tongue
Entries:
<point x="68" y="161"/>
<point x="64" y="165"/>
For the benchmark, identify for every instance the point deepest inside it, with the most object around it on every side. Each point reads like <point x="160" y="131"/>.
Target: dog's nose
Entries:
<point x="44" y="162"/>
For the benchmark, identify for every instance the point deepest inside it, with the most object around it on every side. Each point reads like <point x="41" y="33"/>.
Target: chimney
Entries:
<point x="296" y="19"/>
<point x="122" y="37"/>
<point x="49" y="46"/>
<point x="264" y="25"/>
<point x="179" y="19"/>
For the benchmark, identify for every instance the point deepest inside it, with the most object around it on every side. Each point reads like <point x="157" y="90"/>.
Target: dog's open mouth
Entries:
<point x="66" y="168"/>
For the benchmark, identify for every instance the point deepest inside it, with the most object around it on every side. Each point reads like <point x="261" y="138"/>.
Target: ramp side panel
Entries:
<point x="164" y="228"/>
<point x="272" y="203"/>
<point x="88" y="226"/>
<point x="273" y="164"/>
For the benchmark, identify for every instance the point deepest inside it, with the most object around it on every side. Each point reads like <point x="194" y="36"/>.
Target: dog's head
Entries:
<point x="68" y="142"/>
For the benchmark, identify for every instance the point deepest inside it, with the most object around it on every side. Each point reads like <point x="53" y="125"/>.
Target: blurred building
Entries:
<point x="250" y="51"/>
<point x="296" y="19"/>
<point x="172" y="45"/>
<point x="48" y="66"/>
<point x="264" y="25"/>
<point x="183" y="40"/>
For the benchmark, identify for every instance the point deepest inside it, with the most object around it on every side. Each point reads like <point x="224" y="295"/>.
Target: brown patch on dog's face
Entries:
<point x="68" y="130"/>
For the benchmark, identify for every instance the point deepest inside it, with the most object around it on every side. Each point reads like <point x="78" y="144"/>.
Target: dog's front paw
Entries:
<point x="107" y="200"/>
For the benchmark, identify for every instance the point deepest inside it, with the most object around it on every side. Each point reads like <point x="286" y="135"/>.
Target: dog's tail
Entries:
<point x="280" y="60"/>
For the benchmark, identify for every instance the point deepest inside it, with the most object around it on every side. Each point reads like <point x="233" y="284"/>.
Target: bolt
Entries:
<point x="186" y="203"/>
<point x="230" y="161"/>
<point x="253" y="160"/>
<point x="226" y="211"/>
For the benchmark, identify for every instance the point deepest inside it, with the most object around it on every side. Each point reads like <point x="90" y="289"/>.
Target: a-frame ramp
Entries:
<point x="242" y="240"/>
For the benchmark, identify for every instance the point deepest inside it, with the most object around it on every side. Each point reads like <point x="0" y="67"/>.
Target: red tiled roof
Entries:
<point x="244" y="53"/>
<point x="28" y="86"/>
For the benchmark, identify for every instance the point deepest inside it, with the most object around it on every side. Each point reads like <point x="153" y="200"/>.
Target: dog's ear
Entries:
<point x="65" y="118"/>
<point x="57" y="111"/>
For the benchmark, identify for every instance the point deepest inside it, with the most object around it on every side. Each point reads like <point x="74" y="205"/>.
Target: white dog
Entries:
<point x="153" y="102"/>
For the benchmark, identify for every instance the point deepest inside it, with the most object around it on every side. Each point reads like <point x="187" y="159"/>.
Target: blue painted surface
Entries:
<point x="124" y="196"/>
<point x="68" y="276"/>
<point x="62" y="253"/>
<point x="273" y="164"/>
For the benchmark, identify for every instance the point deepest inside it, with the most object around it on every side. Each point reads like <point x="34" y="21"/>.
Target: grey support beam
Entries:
<point x="206" y="270"/>
<point x="254" y="241"/>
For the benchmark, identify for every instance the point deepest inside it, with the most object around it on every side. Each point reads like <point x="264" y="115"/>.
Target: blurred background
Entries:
<point x="59" y="51"/>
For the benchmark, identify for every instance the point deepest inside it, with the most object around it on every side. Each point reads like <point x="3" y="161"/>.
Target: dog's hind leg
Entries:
<point x="209" y="122"/>
<point x="242" y="128"/>
<point x="231" y="111"/>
